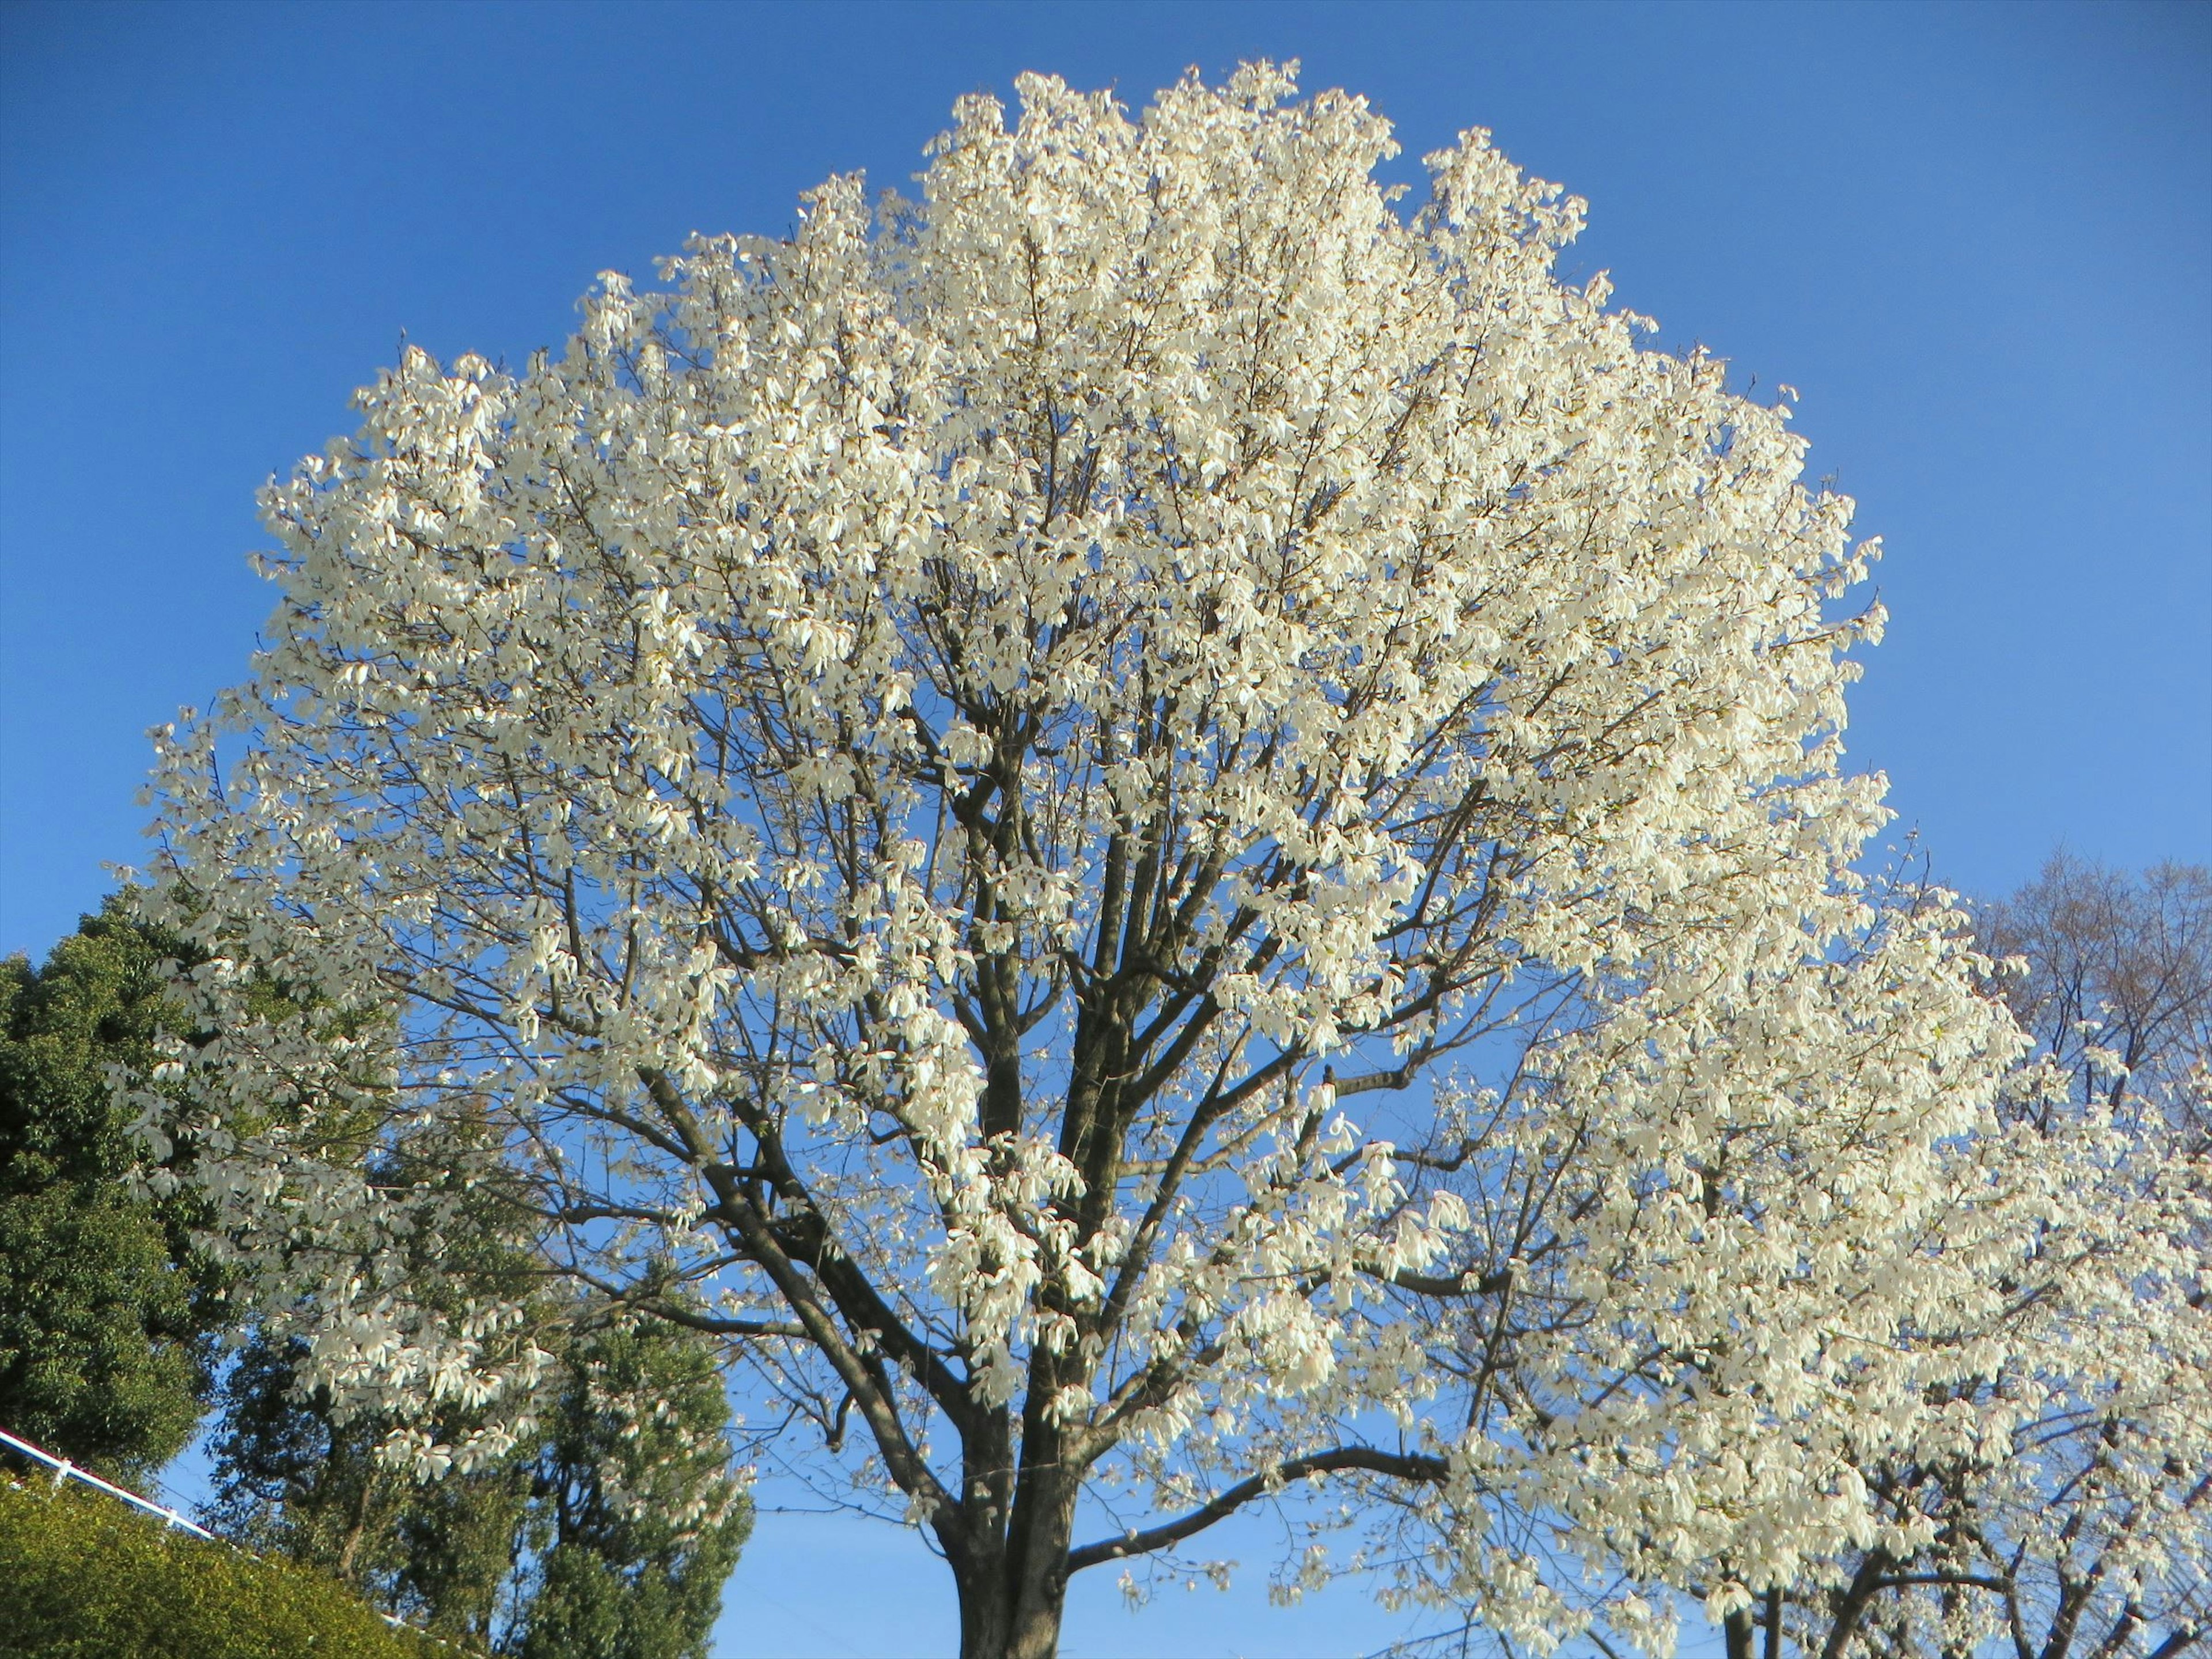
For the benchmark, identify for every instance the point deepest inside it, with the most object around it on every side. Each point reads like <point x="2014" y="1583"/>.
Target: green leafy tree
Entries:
<point x="640" y="1524"/>
<point x="297" y="1477"/>
<point x="604" y="1530"/>
<point x="292" y="1481"/>
<point x="107" y="1319"/>
<point x="606" y="1534"/>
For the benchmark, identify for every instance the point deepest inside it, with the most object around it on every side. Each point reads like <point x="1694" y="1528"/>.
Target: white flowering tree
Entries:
<point x="1169" y="839"/>
<point x="2062" y="1493"/>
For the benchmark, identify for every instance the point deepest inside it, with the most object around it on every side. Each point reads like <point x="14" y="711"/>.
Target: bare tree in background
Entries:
<point x="2117" y="968"/>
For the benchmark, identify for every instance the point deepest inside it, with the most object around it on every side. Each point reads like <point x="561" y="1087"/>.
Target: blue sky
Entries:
<point x="1978" y="239"/>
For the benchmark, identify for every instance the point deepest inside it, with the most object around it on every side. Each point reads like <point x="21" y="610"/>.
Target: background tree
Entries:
<point x="920" y="779"/>
<point x="111" y="1332"/>
<point x="290" y="1482"/>
<point x="2115" y="983"/>
<point x="301" y="1474"/>
<point x="606" y="1530"/>
<point x="636" y="1523"/>
<point x="106" y="1316"/>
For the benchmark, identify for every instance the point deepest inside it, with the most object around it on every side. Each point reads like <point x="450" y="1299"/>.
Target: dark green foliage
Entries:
<point x="86" y="1577"/>
<point x="640" y="1525"/>
<point x="607" y="1534"/>
<point x="292" y="1482"/>
<point x="106" y="1320"/>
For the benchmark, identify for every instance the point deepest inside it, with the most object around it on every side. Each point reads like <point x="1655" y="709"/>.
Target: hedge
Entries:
<point x="84" y="1577"/>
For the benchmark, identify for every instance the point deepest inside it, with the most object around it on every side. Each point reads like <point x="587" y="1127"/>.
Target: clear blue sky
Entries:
<point x="1978" y="239"/>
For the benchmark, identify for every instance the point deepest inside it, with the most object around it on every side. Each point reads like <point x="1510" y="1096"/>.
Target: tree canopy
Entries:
<point x="107" y="1316"/>
<point x="2066" y="1487"/>
<point x="1161" y="835"/>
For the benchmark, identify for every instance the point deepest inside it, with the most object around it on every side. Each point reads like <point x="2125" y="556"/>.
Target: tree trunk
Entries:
<point x="1036" y="1634"/>
<point x="1012" y="1604"/>
<point x="984" y="1614"/>
<point x="997" y="1622"/>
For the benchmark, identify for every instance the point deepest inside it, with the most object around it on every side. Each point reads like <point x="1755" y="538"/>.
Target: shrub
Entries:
<point x="84" y="1577"/>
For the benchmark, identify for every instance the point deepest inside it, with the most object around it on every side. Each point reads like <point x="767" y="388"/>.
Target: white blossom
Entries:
<point x="1174" y="834"/>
